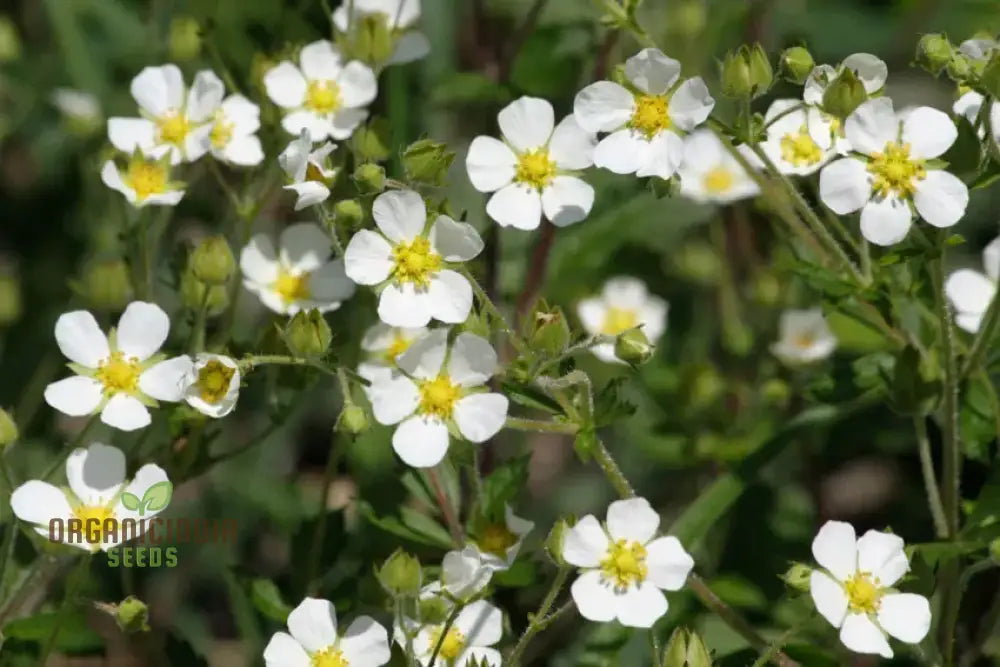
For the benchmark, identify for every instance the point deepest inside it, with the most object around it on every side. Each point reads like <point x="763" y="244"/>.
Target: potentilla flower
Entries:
<point x="145" y="180"/>
<point x="623" y="565"/>
<point x="894" y="173"/>
<point x="531" y="170"/>
<point x="646" y="126"/>
<point x="175" y="120"/>
<point x="233" y="137"/>
<point x="624" y="304"/>
<point x="96" y="481"/>
<point x="854" y="590"/>
<point x="215" y="385"/>
<point x="804" y="337"/>
<point x="314" y="640"/>
<point x="323" y="95"/>
<point x="383" y="345"/>
<point x="300" y="276"/>
<point x="401" y="17"/>
<point x="789" y="144"/>
<point x="710" y="174"/>
<point x="119" y="375"/>
<point x="467" y="642"/>
<point x="497" y="544"/>
<point x="437" y="388"/>
<point x="826" y="129"/>
<point x="308" y="170"/>
<point x="410" y="266"/>
<point x="972" y="292"/>
<point x="463" y="576"/>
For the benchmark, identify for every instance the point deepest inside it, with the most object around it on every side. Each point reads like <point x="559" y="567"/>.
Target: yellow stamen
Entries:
<point x="535" y="169"/>
<point x="119" y="373"/>
<point x="799" y="149"/>
<point x="438" y="397"/>
<point x="719" y="180"/>
<point x="173" y="128"/>
<point x="146" y="178"/>
<point x="91" y="514"/>
<point x="222" y="131"/>
<point x="617" y="320"/>
<point x="328" y="657"/>
<point x="864" y="595"/>
<point x="496" y="539"/>
<point x="398" y="346"/>
<point x="625" y="564"/>
<point x="651" y="115"/>
<point x="292" y="287"/>
<point x="453" y="644"/>
<point x="895" y="172"/>
<point x="213" y="381"/>
<point x="323" y="97"/>
<point x="415" y="262"/>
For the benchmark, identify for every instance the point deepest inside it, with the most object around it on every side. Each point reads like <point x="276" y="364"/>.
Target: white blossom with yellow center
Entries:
<point x="789" y="143"/>
<point x="215" y="385"/>
<point x="382" y="345"/>
<point x="803" y="337"/>
<point x="322" y="95"/>
<point x="309" y="174"/>
<point x="646" y="126"/>
<point x="145" y="181"/>
<point x="313" y="639"/>
<point x="710" y="174"/>
<point x="401" y="17"/>
<point x="854" y="590"/>
<point x="531" y="172"/>
<point x="624" y="566"/>
<point x="233" y="136"/>
<point x="468" y="641"/>
<point x="95" y="479"/>
<point x="497" y="544"/>
<point x="826" y="130"/>
<point x="624" y="304"/>
<point x="971" y="292"/>
<point x="300" y="275"/>
<point x="439" y="385"/>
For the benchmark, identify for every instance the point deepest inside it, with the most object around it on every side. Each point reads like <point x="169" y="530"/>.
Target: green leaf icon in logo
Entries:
<point x="155" y="499"/>
<point x="130" y="501"/>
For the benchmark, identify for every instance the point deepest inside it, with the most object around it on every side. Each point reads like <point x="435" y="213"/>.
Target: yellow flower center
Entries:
<point x="95" y="515"/>
<point x="625" y="564"/>
<point x="799" y="149"/>
<point x="398" y="346"/>
<point x="213" y="381"/>
<point x="617" y="320"/>
<point x="292" y="287"/>
<point x="173" y="128"/>
<point x="496" y="539"/>
<point x="894" y="171"/>
<point x="328" y="657"/>
<point x="863" y="593"/>
<point x="438" y="397"/>
<point x="314" y="173"/>
<point x="535" y="168"/>
<point x="650" y="116"/>
<point x="804" y="340"/>
<point x="146" y="178"/>
<point x="415" y="262"/>
<point x="719" y="180"/>
<point x="119" y="373"/>
<point x="323" y="96"/>
<point x="222" y="131"/>
<point x="453" y="644"/>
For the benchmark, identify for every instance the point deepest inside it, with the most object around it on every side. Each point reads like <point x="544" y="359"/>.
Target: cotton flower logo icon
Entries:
<point x="156" y="498"/>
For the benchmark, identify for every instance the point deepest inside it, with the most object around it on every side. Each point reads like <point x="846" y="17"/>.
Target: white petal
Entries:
<point x="320" y="61"/>
<point x="872" y="125"/>
<point x="142" y="330"/>
<point x="473" y="360"/>
<point x="593" y="598"/>
<point x="669" y="564"/>
<point x="844" y="186"/>
<point x="703" y="151"/>
<point x="941" y="198"/>
<point x="95" y="474"/>
<point x="145" y="477"/>
<point x="425" y="357"/>
<point x="244" y="114"/>
<point x="410" y="46"/>
<point x="455" y="241"/>
<point x="970" y="291"/>
<point x="829" y="597"/>
<point x="80" y="339"/>
<point x="309" y="193"/>
<point x="623" y="152"/>
<point x="393" y="399"/>
<point x="284" y="651"/>
<point x="480" y="416"/>
<point x="567" y="200"/>
<point x="357" y="85"/>
<point x="285" y="85"/>
<point x="592" y="313"/>
<point x="39" y="502"/>
<point x="517" y="206"/>
<point x="490" y="163"/>
<point x="835" y="548"/>
<point x="871" y="70"/>
<point x="368" y="258"/>
<point x="158" y="89"/>
<point x="365" y="642"/>
<point x="244" y="151"/>
<point x="127" y="134"/>
<point x="481" y="623"/>
<point x="294" y="160"/>
<point x="968" y="106"/>
<point x="313" y="624"/>
<point x="929" y="132"/>
<point x="329" y="283"/>
<point x="126" y="413"/>
<point x="886" y="221"/>
<point x="304" y="247"/>
<point x="112" y="178"/>
<point x="75" y="396"/>
<point x="905" y="616"/>
<point x="205" y="96"/>
<point x="400" y="214"/>
<point x="586" y="543"/>
<point x="345" y="121"/>
<point x="652" y="72"/>
<point x="969" y="322"/>
<point x="882" y="555"/>
<point x="632" y="519"/>
<point x="691" y="104"/>
<point x="450" y="297"/>
<point x="663" y="156"/>
<point x="318" y="127"/>
<point x="421" y="442"/>
<point x="171" y="198"/>
<point x="168" y="380"/>
<point x="641" y="606"/>
<point x="625" y="292"/>
<point x="405" y="306"/>
<point x="259" y="261"/>
<point x="527" y="123"/>
<point x="603" y="107"/>
<point x="861" y="635"/>
<point x="572" y="147"/>
<point x="991" y="259"/>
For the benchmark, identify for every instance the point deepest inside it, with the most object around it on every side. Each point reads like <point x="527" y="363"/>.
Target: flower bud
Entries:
<point x="400" y="574"/>
<point x="348" y="213"/>
<point x="8" y="429"/>
<point x="844" y="94"/>
<point x="212" y="261"/>
<point x="934" y="52"/>
<point x="960" y="67"/>
<point x="796" y="64"/>
<point x="776" y="392"/>
<point x="106" y="285"/>
<point x="371" y="39"/>
<point x="549" y="331"/>
<point x="675" y="652"/>
<point x="761" y="72"/>
<point x="353" y="419"/>
<point x="736" y="81"/>
<point x="697" y="654"/>
<point x="193" y="294"/>
<point x="427" y="161"/>
<point x="307" y="335"/>
<point x="370" y="178"/>
<point x="554" y="542"/>
<point x="798" y="576"/>
<point x="11" y="306"/>
<point x="633" y="347"/>
<point x="10" y="42"/>
<point x="990" y="78"/>
<point x="132" y="615"/>
<point x="185" y="38"/>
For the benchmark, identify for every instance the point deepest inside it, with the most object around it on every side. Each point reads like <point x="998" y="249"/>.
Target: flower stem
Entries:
<point x="319" y="534"/>
<point x="930" y="478"/>
<point x="537" y="620"/>
<point x="540" y="426"/>
<point x="444" y="633"/>
<point x="484" y="300"/>
<point x="612" y="471"/>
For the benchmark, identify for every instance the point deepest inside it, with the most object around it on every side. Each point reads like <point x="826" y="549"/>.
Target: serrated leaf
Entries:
<point x="502" y="485"/>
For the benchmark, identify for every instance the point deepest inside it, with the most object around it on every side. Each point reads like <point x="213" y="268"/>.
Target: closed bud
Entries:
<point x="549" y="331"/>
<point x="348" y="213"/>
<point x="960" y="67"/>
<point x="934" y="52"/>
<point x="990" y="78"/>
<point x="372" y="40"/>
<point x="427" y="161"/>
<point x="736" y="80"/>
<point x="697" y="653"/>
<point x="132" y="615"/>
<point x="761" y="72"/>
<point x="798" y="576"/>
<point x="106" y="285"/>
<point x="776" y="392"/>
<point x="675" y="652"/>
<point x="844" y="94"/>
<point x="633" y="347"/>
<point x="554" y="542"/>
<point x="796" y="64"/>
<point x="185" y="38"/>
<point x="8" y="430"/>
<point x="400" y="574"/>
<point x="11" y="306"/>
<point x="370" y="178"/>
<point x="353" y="419"/>
<point x="10" y="42"/>
<point x="307" y="334"/>
<point x="212" y="261"/>
<point x="196" y="294"/>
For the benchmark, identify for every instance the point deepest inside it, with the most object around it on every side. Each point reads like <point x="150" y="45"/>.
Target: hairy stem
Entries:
<point x="985" y="336"/>
<point x="540" y="426"/>
<point x="537" y="620"/>
<point x="930" y="478"/>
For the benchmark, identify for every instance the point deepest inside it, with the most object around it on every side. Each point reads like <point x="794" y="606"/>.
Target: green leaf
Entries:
<point x="395" y="526"/>
<point x="75" y="635"/>
<point x="983" y="523"/>
<point x="267" y="599"/>
<point x="519" y="575"/>
<point x="935" y="553"/>
<point x="609" y="406"/>
<point x="157" y="497"/>
<point x="502" y="485"/>
<point x="529" y="397"/>
<point x="130" y="501"/>
<point x="425" y="525"/>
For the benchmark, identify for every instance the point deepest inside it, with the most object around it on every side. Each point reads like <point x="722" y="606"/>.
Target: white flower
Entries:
<point x="144" y="182"/>
<point x="979" y="48"/>
<point x="646" y="127"/>
<point x="383" y="345"/>
<point x="853" y="591"/>
<point x="401" y="17"/>
<point x="624" y="565"/>
<point x="970" y="104"/>
<point x="300" y="276"/>
<point x="624" y="304"/>
<point x="894" y="174"/>
<point x="233" y="134"/>
<point x="411" y="266"/>
<point x="314" y="640"/>
<point x="121" y="374"/>
<point x="77" y="105"/>
<point x="827" y="130"/>
<point x="323" y="95"/>
<point x="431" y="393"/>
<point x="711" y="174"/>
<point x="463" y="576"/>
<point x="804" y="337"/>
<point x="789" y="143"/>
<point x="972" y="292"/>
<point x="531" y="170"/>
<point x="308" y="170"/>
<point x="215" y="385"/>
<point x="497" y="544"/>
<point x="467" y="642"/>
<point x="175" y="120"/>
<point x="96" y="481"/>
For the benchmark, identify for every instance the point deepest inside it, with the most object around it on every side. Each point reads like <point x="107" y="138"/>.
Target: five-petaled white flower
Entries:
<point x="646" y="126"/>
<point x="410" y="265"/>
<point x="854" y="590"/>
<point x="96" y="481"/>
<point x="827" y="130"/>
<point x="531" y="171"/>
<point x="324" y="95"/>
<point x="215" y="385"/>
<point x="893" y="173"/>
<point x="300" y="275"/>
<point x="401" y="17"/>
<point x="803" y="337"/>
<point x="383" y="344"/>
<point x="463" y="576"/>
<point x="233" y="136"/>
<point x="710" y="174"/>
<point x="314" y="640"/>
<point x="498" y="544"/>
<point x="624" y="304"/>
<point x="972" y="292"/>
<point x="120" y="375"/>
<point x="468" y="641"/>
<point x="308" y="170"/>
<point x="439" y="386"/>
<point x="789" y="143"/>
<point x="145" y="181"/>
<point x="175" y="120"/>
<point x="624" y="565"/>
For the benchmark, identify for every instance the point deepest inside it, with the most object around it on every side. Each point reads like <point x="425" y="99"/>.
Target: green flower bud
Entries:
<point x="307" y="335"/>
<point x="11" y="305"/>
<point x="675" y="652"/>
<point x="633" y="347"/>
<point x="132" y="615"/>
<point x="371" y="141"/>
<point x="960" y="67"/>
<point x="10" y="42"/>
<point x="798" y="576"/>
<point x="185" y="38"/>
<point x="433" y="611"/>
<point x="776" y="392"/>
<point x="212" y="261"/>
<point x="844" y="94"/>
<point x="934" y="52"/>
<point x="106" y="285"/>
<point x="796" y="64"/>
<point x="193" y="294"/>
<point x="427" y="161"/>
<point x="995" y="550"/>
<point x="699" y="262"/>
<point x="549" y="330"/>
<point x="554" y="542"/>
<point x="353" y="419"/>
<point x="348" y="213"/>
<point x="736" y="79"/>
<point x="761" y="72"/>
<point x="400" y="574"/>
<point x="370" y="178"/>
<point x="371" y="39"/>
<point x="766" y="289"/>
<point x="990" y="78"/>
<point x="8" y="429"/>
<point x="697" y="654"/>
